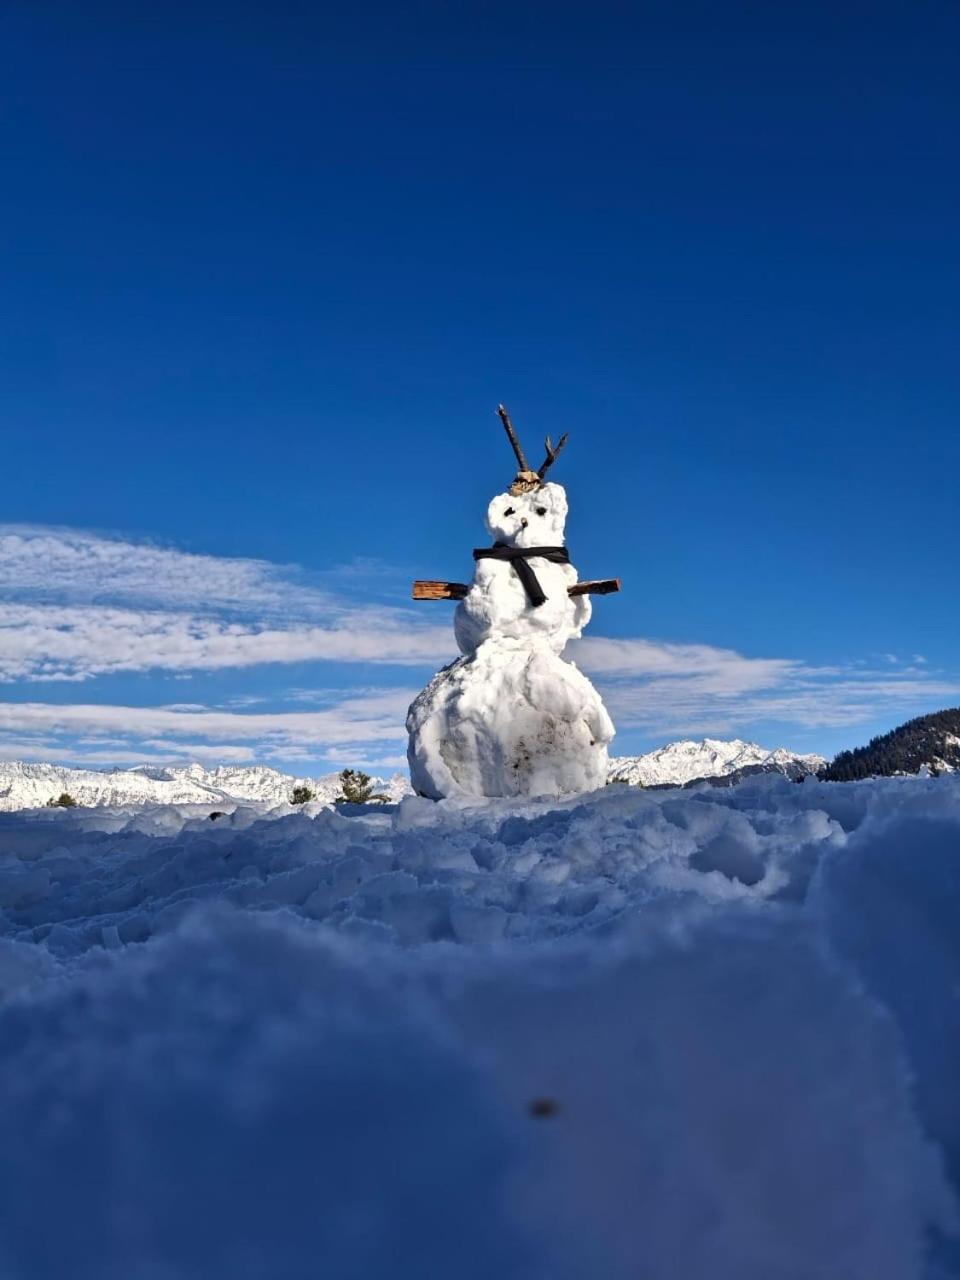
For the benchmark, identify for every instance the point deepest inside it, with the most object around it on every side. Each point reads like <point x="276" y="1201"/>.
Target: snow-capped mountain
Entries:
<point x="27" y="786"/>
<point x="681" y="763"/>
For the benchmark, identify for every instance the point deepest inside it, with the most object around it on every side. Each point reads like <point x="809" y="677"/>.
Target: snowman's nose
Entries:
<point x="523" y="524"/>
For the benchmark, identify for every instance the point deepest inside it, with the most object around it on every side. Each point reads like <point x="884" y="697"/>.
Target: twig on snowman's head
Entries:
<point x="552" y="453"/>
<point x="512" y="435"/>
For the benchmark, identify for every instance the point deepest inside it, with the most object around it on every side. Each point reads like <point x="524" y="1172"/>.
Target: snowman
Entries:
<point x="511" y="717"/>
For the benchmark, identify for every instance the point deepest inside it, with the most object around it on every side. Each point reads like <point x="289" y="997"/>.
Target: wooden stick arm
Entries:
<point x="598" y="587"/>
<point x="427" y="589"/>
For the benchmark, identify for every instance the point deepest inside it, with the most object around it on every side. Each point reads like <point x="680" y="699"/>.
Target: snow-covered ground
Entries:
<point x="683" y="1035"/>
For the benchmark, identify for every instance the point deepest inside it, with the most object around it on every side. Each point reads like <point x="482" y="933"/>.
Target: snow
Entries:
<point x="700" y="1033"/>
<point x="511" y="717"/>
<point x="952" y="742"/>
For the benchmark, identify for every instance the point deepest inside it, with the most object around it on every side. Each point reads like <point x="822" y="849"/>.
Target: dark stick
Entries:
<point x="604" y="587"/>
<point x="508" y="427"/>
<point x="552" y="453"/>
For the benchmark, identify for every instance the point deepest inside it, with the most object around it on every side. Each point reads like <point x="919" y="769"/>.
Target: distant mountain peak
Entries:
<point x="711" y="759"/>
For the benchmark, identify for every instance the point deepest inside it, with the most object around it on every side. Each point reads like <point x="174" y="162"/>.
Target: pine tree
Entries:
<point x="63" y="801"/>
<point x="356" y="787"/>
<point x="928" y="740"/>
<point x="301" y="795"/>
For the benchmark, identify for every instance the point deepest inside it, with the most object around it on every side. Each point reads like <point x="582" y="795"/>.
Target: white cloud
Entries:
<point x="76" y="642"/>
<point x="697" y="688"/>
<point x="376" y="717"/>
<point x="170" y="749"/>
<point x="39" y="562"/>
<point x="162" y="753"/>
<point x="81" y="605"/>
<point x="716" y="670"/>
<point x="809" y="697"/>
<point x="361" y="728"/>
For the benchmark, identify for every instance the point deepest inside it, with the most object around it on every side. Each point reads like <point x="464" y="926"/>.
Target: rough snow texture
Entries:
<point x="511" y="717"/>
<point x="680" y="763"/>
<point x="27" y="786"/>
<point x="310" y="1043"/>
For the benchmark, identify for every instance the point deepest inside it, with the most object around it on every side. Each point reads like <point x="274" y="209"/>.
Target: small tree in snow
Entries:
<point x="301" y="795"/>
<point x="63" y="801"/>
<point x="356" y="787"/>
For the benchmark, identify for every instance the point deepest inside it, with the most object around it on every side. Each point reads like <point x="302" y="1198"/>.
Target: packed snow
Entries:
<point x="709" y="1034"/>
<point x="511" y="717"/>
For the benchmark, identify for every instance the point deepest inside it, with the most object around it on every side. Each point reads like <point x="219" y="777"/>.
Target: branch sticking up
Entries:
<point x="512" y="435"/>
<point x="552" y="453"/>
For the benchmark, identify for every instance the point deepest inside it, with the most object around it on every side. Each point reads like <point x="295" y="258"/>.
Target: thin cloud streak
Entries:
<point x="75" y="565"/>
<point x="76" y="643"/>
<point x="689" y="706"/>
<point x="364" y="727"/>
<point x="717" y="669"/>
<point x="354" y="720"/>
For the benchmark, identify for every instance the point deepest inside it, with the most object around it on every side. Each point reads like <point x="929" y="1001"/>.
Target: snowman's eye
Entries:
<point x="509" y="512"/>
<point x="541" y="511"/>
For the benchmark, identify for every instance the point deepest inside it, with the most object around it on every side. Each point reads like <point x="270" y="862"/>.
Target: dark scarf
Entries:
<point x="518" y="556"/>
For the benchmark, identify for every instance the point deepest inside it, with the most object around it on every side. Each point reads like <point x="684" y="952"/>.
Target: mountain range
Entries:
<point x="26" y="786"/>
<point x="713" y="760"/>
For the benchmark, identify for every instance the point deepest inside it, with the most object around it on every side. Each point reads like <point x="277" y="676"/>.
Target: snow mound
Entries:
<point x="709" y="1034"/>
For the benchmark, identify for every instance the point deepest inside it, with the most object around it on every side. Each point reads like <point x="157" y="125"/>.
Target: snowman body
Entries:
<point x="497" y="604"/>
<point x="511" y="717"/>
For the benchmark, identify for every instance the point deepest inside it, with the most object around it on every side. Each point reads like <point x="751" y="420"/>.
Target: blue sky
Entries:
<point x="267" y="271"/>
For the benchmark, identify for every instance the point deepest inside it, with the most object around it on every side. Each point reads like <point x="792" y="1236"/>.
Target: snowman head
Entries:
<point x="534" y="519"/>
